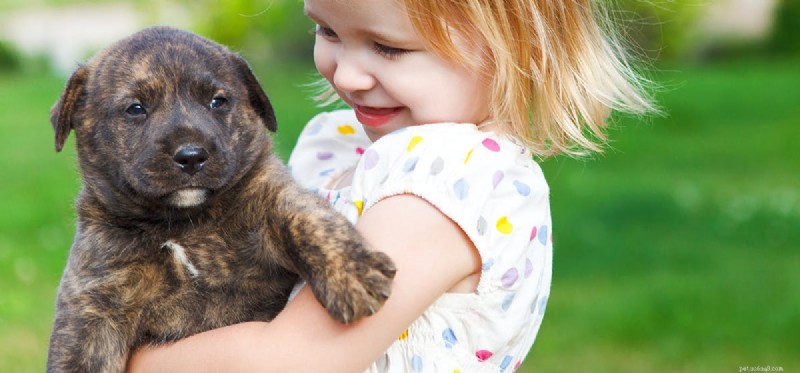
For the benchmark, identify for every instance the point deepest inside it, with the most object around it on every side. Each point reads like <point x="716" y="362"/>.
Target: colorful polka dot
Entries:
<point x="483" y="355"/>
<point x="469" y="154"/>
<point x="522" y="188"/>
<point x="533" y="233"/>
<point x="437" y="166"/>
<point x="359" y="206"/>
<point x="482" y="226"/>
<point x="497" y="178"/>
<point x="528" y="267"/>
<point x="370" y="159"/>
<point x="491" y="145"/>
<point x="314" y="129"/>
<point x="413" y="143"/>
<point x="359" y="150"/>
<point x="487" y="265"/>
<point x="449" y="337"/>
<point x="410" y="164"/>
<point x="510" y="278"/>
<point x="324" y="156"/>
<point x="507" y="302"/>
<point x="416" y="363"/>
<point x="542" y="235"/>
<point x="542" y="305"/>
<point x="404" y="335"/>
<point x="461" y="189"/>
<point x="506" y="362"/>
<point x="346" y="130"/>
<point x="504" y="226"/>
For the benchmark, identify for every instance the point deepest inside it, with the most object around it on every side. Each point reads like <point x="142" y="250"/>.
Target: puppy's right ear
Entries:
<point x="255" y="93"/>
<point x="63" y="110"/>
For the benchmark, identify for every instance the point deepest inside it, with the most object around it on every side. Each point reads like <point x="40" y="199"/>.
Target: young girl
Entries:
<point x="450" y="101"/>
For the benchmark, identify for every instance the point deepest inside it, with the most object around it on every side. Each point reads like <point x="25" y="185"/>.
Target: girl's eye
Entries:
<point x="326" y="32"/>
<point x="136" y="110"/>
<point x="217" y="102"/>
<point x="389" y="52"/>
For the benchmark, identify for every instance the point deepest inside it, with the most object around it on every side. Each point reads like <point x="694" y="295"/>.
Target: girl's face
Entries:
<point x="376" y="62"/>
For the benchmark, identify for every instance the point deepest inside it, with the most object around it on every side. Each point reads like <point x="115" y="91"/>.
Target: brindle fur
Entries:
<point x="252" y="237"/>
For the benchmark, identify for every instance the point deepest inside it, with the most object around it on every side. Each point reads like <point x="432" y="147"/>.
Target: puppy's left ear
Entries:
<point x="255" y="94"/>
<point x="63" y="110"/>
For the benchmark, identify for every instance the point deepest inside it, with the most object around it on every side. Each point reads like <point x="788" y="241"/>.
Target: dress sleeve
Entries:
<point x="484" y="182"/>
<point x="330" y="143"/>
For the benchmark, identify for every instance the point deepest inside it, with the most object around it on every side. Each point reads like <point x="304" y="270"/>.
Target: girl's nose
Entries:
<point x="350" y="74"/>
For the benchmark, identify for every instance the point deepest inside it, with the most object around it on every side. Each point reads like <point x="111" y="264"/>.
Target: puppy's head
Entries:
<point x="164" y="119"/>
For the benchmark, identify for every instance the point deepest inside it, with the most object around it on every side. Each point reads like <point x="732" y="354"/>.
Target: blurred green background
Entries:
<point x="676" y="250"/>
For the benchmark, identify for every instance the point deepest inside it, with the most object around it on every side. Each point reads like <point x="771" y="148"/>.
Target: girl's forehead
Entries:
<point x="351" y="4"/>
<point x="381" y="17"/>
<point x="355" y="7"/>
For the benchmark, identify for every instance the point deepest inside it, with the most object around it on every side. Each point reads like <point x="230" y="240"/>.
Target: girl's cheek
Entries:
<point x="324" y="60"/>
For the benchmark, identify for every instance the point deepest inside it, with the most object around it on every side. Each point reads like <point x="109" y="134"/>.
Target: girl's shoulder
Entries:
<point x="453" y="163"/>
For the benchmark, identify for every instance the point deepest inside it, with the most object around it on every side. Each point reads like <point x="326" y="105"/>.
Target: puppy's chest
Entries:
<point x="210" y="282"/>
<point x="210" y="260"/>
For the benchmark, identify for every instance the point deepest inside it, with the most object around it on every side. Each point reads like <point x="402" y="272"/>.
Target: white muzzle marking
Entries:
<point x="189" y="197"/>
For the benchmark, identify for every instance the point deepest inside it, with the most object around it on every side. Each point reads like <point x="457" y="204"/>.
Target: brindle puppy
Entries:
<point x="186" y="219"/>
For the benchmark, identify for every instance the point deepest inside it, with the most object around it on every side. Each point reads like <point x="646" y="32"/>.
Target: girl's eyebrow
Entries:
<point x="309" y="14"/>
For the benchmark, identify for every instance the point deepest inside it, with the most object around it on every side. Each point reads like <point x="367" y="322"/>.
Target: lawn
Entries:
<point x="675" y="251"/>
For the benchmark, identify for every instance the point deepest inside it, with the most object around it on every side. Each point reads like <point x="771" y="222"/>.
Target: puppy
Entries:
<point x="186" y="221"/>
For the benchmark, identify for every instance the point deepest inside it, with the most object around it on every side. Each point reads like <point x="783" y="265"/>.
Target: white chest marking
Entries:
<point x="180" y="254"/>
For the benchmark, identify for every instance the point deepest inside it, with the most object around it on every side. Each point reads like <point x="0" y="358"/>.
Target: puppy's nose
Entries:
<point x="190" y="158"/>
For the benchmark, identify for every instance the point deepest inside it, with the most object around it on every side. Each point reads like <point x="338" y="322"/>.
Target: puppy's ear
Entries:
<point x="255" y="94"/>
<point x="63" y="110"/>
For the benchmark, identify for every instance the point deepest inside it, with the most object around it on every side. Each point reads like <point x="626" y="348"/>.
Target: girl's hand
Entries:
<point x="432" y="255"/>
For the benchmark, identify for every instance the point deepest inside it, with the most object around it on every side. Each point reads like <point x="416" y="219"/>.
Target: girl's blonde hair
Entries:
<point x="557" y="69"/>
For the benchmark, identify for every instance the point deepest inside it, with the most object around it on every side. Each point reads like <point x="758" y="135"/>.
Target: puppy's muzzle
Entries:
<point x="191" y="158"/>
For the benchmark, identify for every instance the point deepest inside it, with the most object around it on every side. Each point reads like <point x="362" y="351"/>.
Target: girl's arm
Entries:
<point x="432" y="255"/>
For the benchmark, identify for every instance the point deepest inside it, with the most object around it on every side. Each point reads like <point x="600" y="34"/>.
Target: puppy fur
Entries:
<point x="186" y="220"/>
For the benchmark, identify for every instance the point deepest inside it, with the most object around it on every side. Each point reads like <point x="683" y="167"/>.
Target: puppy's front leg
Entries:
<point x="97" y="308"/>
<point x="349" y="278"/>
<point x="85" y="337"/>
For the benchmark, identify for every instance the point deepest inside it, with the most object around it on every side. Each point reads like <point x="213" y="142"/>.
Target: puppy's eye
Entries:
<point x="217" y="102"/>
<point x="136" y="110"/>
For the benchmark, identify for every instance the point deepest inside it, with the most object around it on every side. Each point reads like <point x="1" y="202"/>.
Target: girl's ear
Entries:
<point x="70" y="101"/>
<point x="255" y="93"/>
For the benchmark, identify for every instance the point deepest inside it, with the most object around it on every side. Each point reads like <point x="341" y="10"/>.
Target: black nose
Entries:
<point x="191" y="158"/>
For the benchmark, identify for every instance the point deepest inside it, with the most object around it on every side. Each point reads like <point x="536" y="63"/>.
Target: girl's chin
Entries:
<point x="375" y="133"/>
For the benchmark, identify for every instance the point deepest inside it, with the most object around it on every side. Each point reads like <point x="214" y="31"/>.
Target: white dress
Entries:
<point x="484" y="182"/>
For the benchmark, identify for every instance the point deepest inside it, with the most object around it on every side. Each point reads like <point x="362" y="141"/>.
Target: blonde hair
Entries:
<point x="557" y="69"/>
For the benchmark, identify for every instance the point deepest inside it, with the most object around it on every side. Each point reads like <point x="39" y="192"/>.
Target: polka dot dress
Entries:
<point x="485" y="183"/>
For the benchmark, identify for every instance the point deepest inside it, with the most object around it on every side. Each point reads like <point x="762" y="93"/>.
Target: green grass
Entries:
<point x="676" y="250"/>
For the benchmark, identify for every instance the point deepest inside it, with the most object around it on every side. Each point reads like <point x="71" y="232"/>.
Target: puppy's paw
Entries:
<point x="356" y="287"/>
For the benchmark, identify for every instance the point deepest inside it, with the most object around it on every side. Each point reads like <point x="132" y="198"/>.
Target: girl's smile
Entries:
<point x="375" y="117"/>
